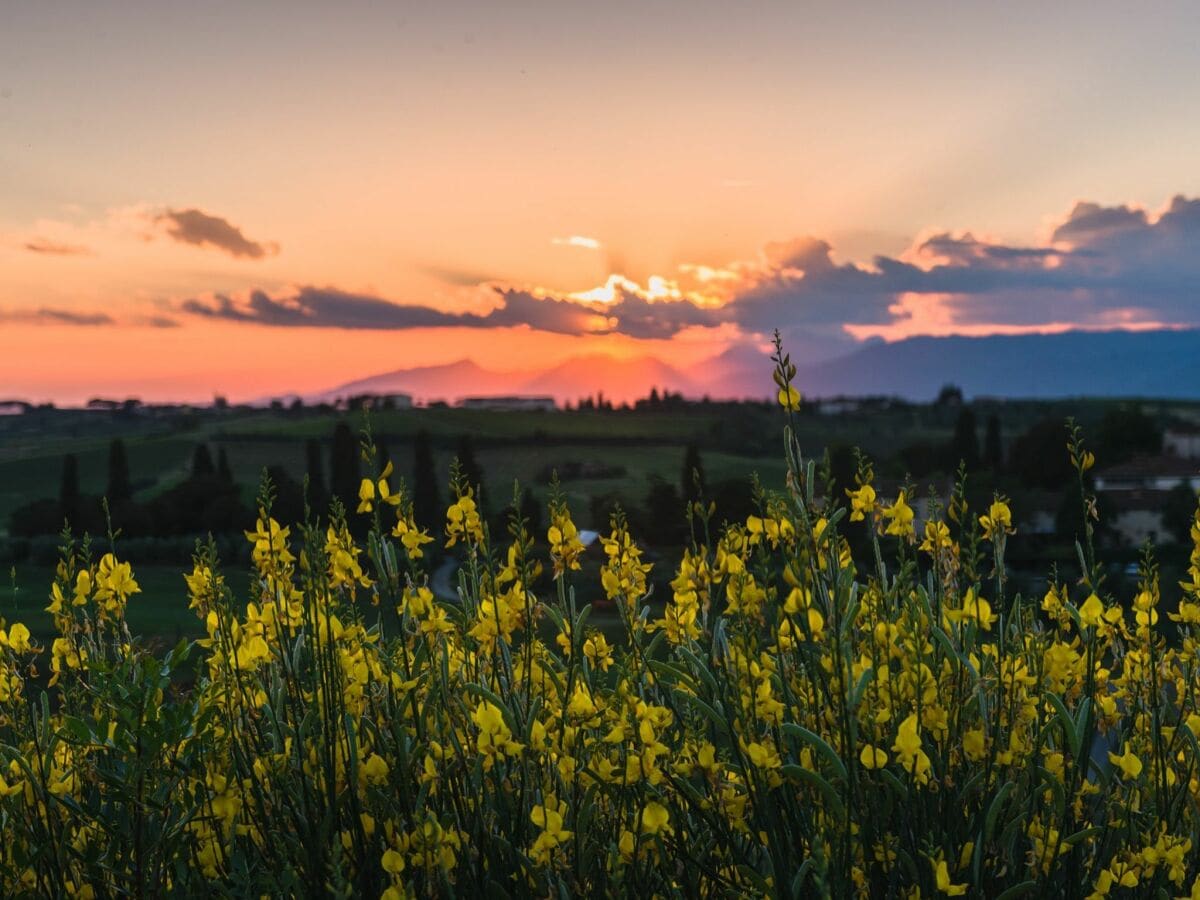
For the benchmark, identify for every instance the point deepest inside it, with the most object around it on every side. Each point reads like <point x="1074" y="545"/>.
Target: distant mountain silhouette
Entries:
<point x="1162" y="364"/>
<point x="619" y="379"/>
<point x="1072" y="364"/>
<point x="451" y="381"/>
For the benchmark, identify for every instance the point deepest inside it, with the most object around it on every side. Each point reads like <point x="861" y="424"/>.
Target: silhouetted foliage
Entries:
<point x="949" y="395"/>
<point x="426" y="507"/>
<point x="1125" y="432"/>
<point x="468" y="464"/>
<point x="224" y="472"/>
<point x="119" y="488"/>
<point x="344" y="473"/>
<point x="68" y="489"/>
<point x="691" y="478"/>
<point x="993" y="445"/>
<point x="964" y="446"/>
<point x="1039" y="456"/>
<point x="922" y="458"/>
<point x="289" y="495"/>
<point x="734" y="499"/>
<point x="664" y="512"/>
<point x="315" y="469"/>
<point x="202" y="462"/>
<point x="843" y="466"/>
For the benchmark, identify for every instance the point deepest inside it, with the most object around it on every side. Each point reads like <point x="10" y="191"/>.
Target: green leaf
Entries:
<point x="1068" y="724"/>
<point x="817" y="743"/>
<point x="715" y="717"/>
<point x="989" y="826"/>
<point x="832" y="800"/>
<point x="1018" y="890"/>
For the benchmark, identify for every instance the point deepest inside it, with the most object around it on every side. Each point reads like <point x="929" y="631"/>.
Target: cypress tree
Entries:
<point x="119" y="488"/>
<point x="691" y="480"/>
<point x="993" y="447"/>
<point x="965" y="445"/>
<point x="68" y="490"/>
<point x="344" y="474"/>
<point x="469" y="465"/>
<point x="314" y="467"/>
<point x="202" y="463"/>
<point x="426" y="508"/>
<point x="224" y="472"/>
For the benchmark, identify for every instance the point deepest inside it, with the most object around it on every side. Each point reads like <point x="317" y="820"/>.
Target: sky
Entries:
<point x="274" y="198"/>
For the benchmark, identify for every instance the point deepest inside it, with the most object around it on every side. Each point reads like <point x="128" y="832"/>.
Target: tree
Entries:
<point x="120" y="488"/>
<point x="68" y="489"/>
<point x="224" y="472"/>
<point x="426" y="506"/>
<point x="314" y="468"/>
<point x="949" y="395"/>
<point x="964" y="446"/>
<point x="664" y="513"/>
<point x="843" y="467"/>
<point x="993" y="446"/>
<point x="469" y="465"/>
<point x="1039" y="456"/>
<point x="344" y="474"/>
<point x="202" y="463"/>
<point x="691" y="480"/>
<point x="1125" y="432"/>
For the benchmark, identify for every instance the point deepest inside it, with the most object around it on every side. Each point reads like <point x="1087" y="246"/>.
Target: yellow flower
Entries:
<point x="937" y="538"/>
<point x="873" y="757"/>
<point x="393" y="862"/>
<point x="941" y="874"/>
<point x="862" y="502"/>
<point x="17" y="638"/>
<point x="900" y="518"/>
<point x="1128" y="762"/>
<point x="998" y="521"/>
<point x="654" y="819"/>
<point x="789" y="398"/>
<point x="1092" y="611"/>
<point x="367" y="490"/>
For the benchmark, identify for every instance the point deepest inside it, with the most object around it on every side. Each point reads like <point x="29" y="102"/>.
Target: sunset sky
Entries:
<point x="264" y="198"/>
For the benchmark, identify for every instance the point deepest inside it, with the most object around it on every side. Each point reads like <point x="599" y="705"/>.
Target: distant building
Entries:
<point x="839" y="406"/>
<point x="1182" y="440"/>
<point x="1137" y="515"/>
<point x="1150" y="473"/>
<point x="1037" y="512"/>
<point x="510" y="404"/>
<point x="14" y="407"/>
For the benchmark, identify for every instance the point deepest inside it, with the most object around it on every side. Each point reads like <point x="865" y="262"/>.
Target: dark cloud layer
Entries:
<point x="193" y="226"/>
<point x="50" y="316"/>
<point x="1104" y="265"/>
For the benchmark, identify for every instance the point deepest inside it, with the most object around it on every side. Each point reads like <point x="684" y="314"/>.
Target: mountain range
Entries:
<point x="1163" y="364"/>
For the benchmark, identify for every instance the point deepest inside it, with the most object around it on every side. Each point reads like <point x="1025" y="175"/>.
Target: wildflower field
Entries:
<point x="799" y="721"/>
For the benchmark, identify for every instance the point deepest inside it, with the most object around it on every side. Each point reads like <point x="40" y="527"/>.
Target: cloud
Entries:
<point x="51" y="316"/>
<point x="576" y="240"/>
<point x="456" y="276"/>
<point x="318" y="307"/>
<point x="1103" y="266"/>
<point x="53" y="248"/>
<point x="193" y="226"/>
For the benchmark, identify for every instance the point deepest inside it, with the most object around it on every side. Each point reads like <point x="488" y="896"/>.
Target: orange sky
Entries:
<point x="154" y="155"/>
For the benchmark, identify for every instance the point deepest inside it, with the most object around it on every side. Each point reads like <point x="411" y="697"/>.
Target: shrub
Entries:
<point x="790" y="725"/>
